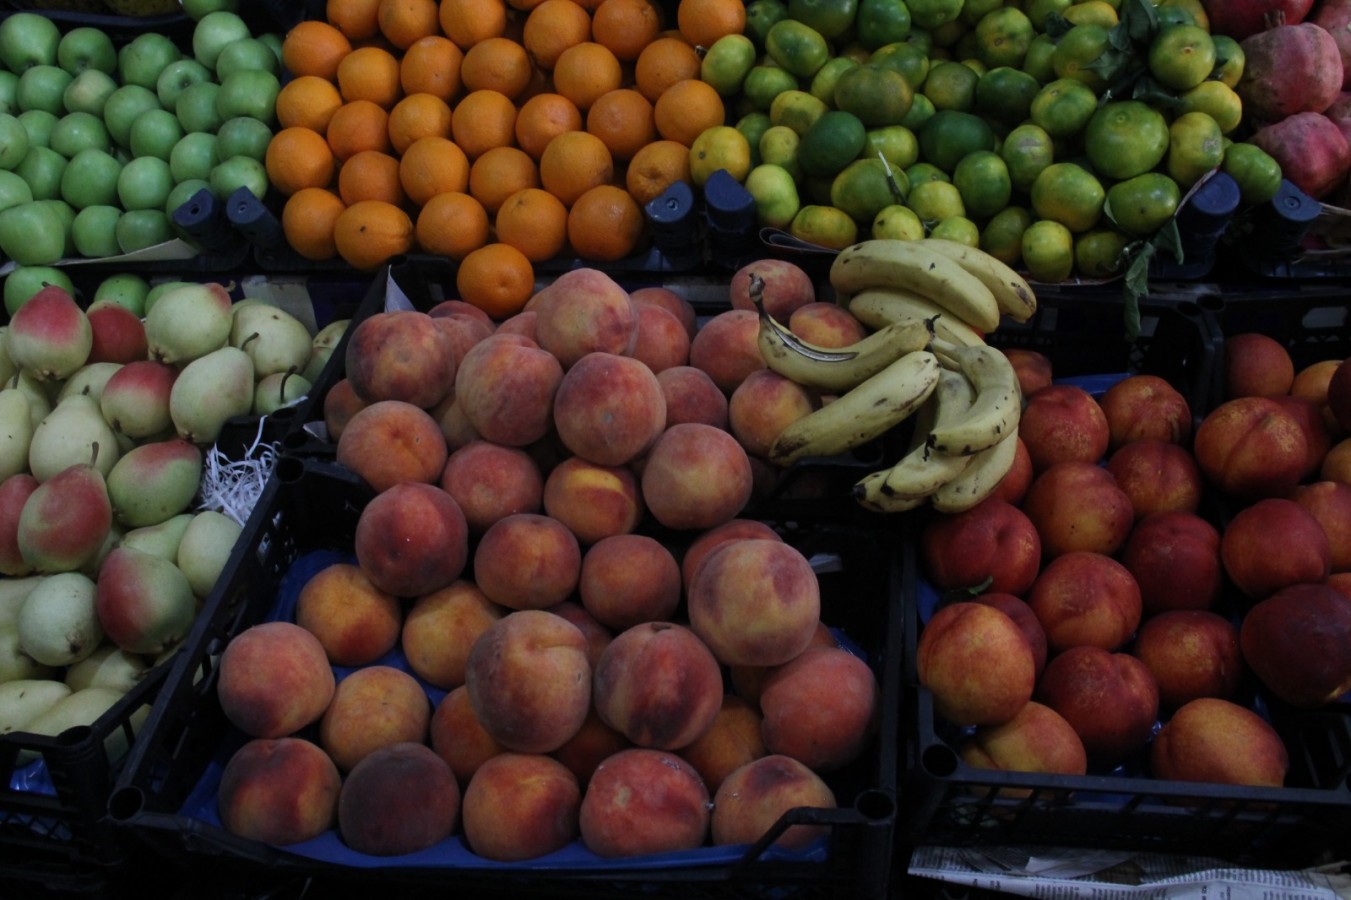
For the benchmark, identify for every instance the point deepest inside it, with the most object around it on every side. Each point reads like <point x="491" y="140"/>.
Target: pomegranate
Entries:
<point x="1335" y="17"/>
<point x="1289" y="69"/>
<point x="1242" y="18"/>
<point x="1312" y="151"/>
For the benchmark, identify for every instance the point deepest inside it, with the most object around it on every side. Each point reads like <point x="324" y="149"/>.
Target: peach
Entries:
<point x="663" y="342"/>
<point x="593" y="743"/>
<point x="455" y="428"/>
<point x="691" y="396"/>
<point x="658" y="685"/>
<point x="1251" y="447"/>
<point x="400" y="799"/>
<point x="440" y="629"/>
<point x="1157" y="476"/>
<point x="529" y="680"/>
<point x="520" y="806"/>
<point x="522" y="324"/>
<point x="1337" y="464"/>
<point x="1295" y="642"/>
<point x="1077" y="505"/>
<point x="641" y="801"/>
<point x="400" y="355"/>
<point x="1110" y="700"/>
<point x="390" y="442"/>
<point x="505" y="388"/>
<point x="490" y="481"/>
<point x="1037" y="739"/>
<point x="993" y="541"/>
<point x="752" y="799"/>
<point x="765" y="403"/>
<point x="727" y="348"/>
<point x="278" y="791"/>
<point x="1256" y="365"/>
<point x="1317" y="434"/>
<point x="340" y="404"/>
<point x="669" y="300"/>
<point x="733" y="740"/>
<point x="456" y="307"/>
<point x="274" y="679"/>
<point x="1063" y="422"/>
<point x="748" y="681"/>
<point x="1013" y="486"/>
<point x="598" y="636"/>
<point x="609" y="408"/>
<point x="1016" y="608"/>
<point x="457" y="736"/>
<point x="411" y="539"/>
<point x="1033" y="368"/>
<point x="1175" y="559"/>
<point x="1311" y="383"/>
<point x="695" y="477"/>
<point x="628" y="579"/>
<point x="527" y="561"/>
<point x="1145" y="407"/>
<point x="1272" y="544"/>
<point x="1085" y="598"/>
<point x="1340" y="582"/>
<point x="1217" y="741"/>
<point x="976" y="662"/>
<point x="826" y="324"/>
<point x="755" y="602"/>
<point x="787" y="287"/>
<point x="1191" y="653"/>
<point x="709" y="540"/>
<point x="464" y="332"/>
<point x="1330" y="503"/>
<point x="584" y="310"/>
<point x="1339" y="395"/>
<point x="821" y="708"/>
<point x="593" y="500"/>
<point x="373" y="707"/>
<point x="356" y="622"/>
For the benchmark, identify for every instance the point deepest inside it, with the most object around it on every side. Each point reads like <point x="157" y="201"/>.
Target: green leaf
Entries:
<point x="1155" y="94"/>
<point x="1056" y="25"/>
<point x="1170" y="239"/>
<point x="1111" y="64"/>
<point x="1136" y="286"/>
<point x="1140" y="20"/>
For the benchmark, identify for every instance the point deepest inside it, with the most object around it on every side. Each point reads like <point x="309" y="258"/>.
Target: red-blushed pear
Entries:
<point x="188" y="321"/>
<point x="14" y="493"/>
<point x="135" y="399"/>
<point x="144" y="603"/>
<point x="154" y="481"/>
<point x="66" y="520"/>
<point x="118" y="333"/>
<point x="16" y="433"/>
<point x="73" y="432"/>
<point x="209" y="391"/>
<point x="50" y="335"/>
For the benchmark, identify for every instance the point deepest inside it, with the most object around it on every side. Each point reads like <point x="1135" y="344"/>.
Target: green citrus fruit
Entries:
<point x="1125" y="138"/>
<point x="1077" y="50"/>
<point x="921" y="110"/>
<point x="754" y="125"/>
<point x="1064" y="107"/>
<point x="1003" y="36"/>
<point x="934" y="201"/>
<point x="880" y="22"/>
<point x="879" y="96"/>
<point x="726" y="64"/>
<point x="959" y="229"/>
<point x="1004" y="94"/>
<point x="760" y="15"/>
<point x="950" y="134"/>
<point x="1097" y="252"/>
<point x="1141" y="205"/>
<point x="778" y="146"/>
<point x="797" y="109"/>
<point x="897" y="222"/>
<point x="824" y="225"/>
<point x="975" y="10"/>
<point x="775" y="194"/>
<point x="1047" y="250"/>
<point x="930" y="14"/>
<point x="983" y="180"/>
<point x="895" y="143"/>
<point x="1181" y="56"/>
<point x="906" y="57"/>
<point x="829" y="18"/>
<point x="1258" y="174"/>
<point x="1038" y="11"/>
<point x="1002" y="236"/>
<point x="1217" y="100"/>
<point x="1195" y="9"/>
<point x="719" y="147"/>
<point x="1039" y="61"/>
<point x="1026" y="150"/>
<point x="831" y="143"/>
<point x="797" y="47"/>
<point x="921" y="172"/>
<point x="763" y="83"/>
<point x="822" y="84"/>
<point x="1229" y="59"/>
<point x="862" y="190"/>
<point x="1069" y="194"/>
<point x="951" y="85"/>
<point x="1092" y="12"/>
<point x="1195" y="146"/>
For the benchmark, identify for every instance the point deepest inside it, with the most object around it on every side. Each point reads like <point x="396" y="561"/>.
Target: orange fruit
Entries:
<point x="308" y="101"/>
<point x="404" y="21"/>
<point x="626" y="26"/>
<point x="573" y="163"/>
<point x="496" y="64"/>
<point x="417" y="116"/>
<point x="296" y="158"/>
<point x="702" y="22"/>
<point x="543" y="117"/>
<point x="499" y="173"/>
<point x="308" y="218"/>
<point x="664" y="62"/>
<point x="370" y="73"/>
<point x="585" y="71"/>
<point x="358" y="125"/>
<point x="497" y="278"/>
<point x="533" y="221"/>
<point x="656" y="167"/>
<point x="370" y="233"/>
<point x="370" y="175"/>
<point x="451" y="224"/>
<point x="551" y="28"/>
<point x="686" y="108"/>
<point x="431" y="66"/>
<point x="623" y="119"/>
<point x="605" y="224"/>
<point x="357" y="19"/>
<point x="483" y="120"/>
<point x="466" y="22"/>
<point x="314" y="47"/>
<point x="431" y="166"/>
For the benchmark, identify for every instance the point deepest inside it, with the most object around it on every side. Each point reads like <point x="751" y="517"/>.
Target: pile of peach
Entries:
<point x="556" y="548"/>
<point x="1145" y="575"/>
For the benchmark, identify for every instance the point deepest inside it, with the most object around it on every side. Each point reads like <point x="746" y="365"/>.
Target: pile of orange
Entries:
<point x="500" y="133"/>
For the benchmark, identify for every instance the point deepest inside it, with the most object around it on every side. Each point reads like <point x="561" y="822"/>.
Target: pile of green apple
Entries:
<point x="101" y="142"/>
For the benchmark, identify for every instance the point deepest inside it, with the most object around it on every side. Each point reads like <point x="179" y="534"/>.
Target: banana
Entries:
<point x="869" y="494"/>
<point x="867" y="411"/>
<point x="878" y="307"/>
<point x="894" y="263"/>
<point x="978" y="480"/>
<point x="923" y="470"/>
<point x="1012" y="293"/>
<point x="998" y="405"/>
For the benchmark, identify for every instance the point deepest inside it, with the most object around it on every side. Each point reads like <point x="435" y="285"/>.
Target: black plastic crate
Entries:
<point x="309" y="512"/>
<point x="1312" y="319"/>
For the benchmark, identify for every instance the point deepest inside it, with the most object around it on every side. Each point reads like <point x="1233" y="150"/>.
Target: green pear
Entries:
<point x="65" y="522"/>
<point x="12" y="594"/>
<point x="73" y="432"/>
<point x="107" y="667"/>
<point x="209" y="391"/>
<point x="274" y="339"/>
<point x="16" y="432"/>
<point x="154" y="482"/>
<point x="279" y="390"/>
<point x="25" y="699"/>
<point x="7" y="366"/>
<point x="85" y="707"/>
<point x="40" y="400"/>
<point x="88" y="379"/>
<point x="14" y="663"/>
<point x="187" y="322"/>
<point x="322" y="347"/>
<point x="59" y="622"/>
<point x="206" y="548"/>
<point x="159" y="540"/>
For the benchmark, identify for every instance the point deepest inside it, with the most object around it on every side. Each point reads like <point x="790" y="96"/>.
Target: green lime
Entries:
<point x="1004" y="94"/>
<point x="934" y="201"/>
<point x="930" y="14"/>
<point x="1217" y="100"/>
<point x="831" y="143"/>
<point x="1092" y="12"/>
<point x="897" y="222"/>
<point x="765" y="82"/>
<point x="1229" y="60"/>
<point x="877" y="95"/>
<point x="1098" y="252"/>
<point x="906" y="57"/>
<point x="1125" y="138"/>
<point x="1173" y="15"/>
<point x="880" y="22"/>
<point x="1026" y="150"/>
<point x="959" y="229"/>
<point x="975" y="10"/>
<point x="726" y="64"/>
<point x="1195" y="146"/>
<point x="754" y="125"/>
<point x="1258" y="174"/>
<point x="1039" y="61"/>
<point x="1003" y="36"/>
<point x="797" y="47"/>
<point x="983" y="180"/>
<point x="1077" y="50"/>
<point x="951" y="85"/>
<point x="830" y="18"/>
<point x="1038" y="11"/>
<point x="824" y="225"/>
<point x="823" y="82"/>
<point x="775" y="194"/>
<point x="1141" y="205"/>
<point x="1002" y="236"/>
<point x="1181" y="56"/>
<point x="760" y="15"/>
<point x="778" y="146"/>
<point x="894" y="143"/>
<point x="1195" y="10"/>
<point x="1047" y="250"/>
<point x="1069" y="194"/>
<point x="921" y="110"/>
<point x="862" y="190"/>
<point x="719" y="147"/>
<point x="920" y="172"/>
<point x="950" y="134"/>
<point x="946" y="37"/>
<point x="797" y="109"/>
<point x="1063" y="107"/>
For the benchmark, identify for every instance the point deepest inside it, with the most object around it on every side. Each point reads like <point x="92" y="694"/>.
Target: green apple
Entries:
<point x="122" y="108"/>
<point x="43" y="87"/>
<point x="249" y="53"/>
<point x="273" y="41"/>
<point x="243" y="136"/>
<point x="196" y="9"/>
<point x="90" y="178"/>
<point x="76" y="131"/>
<point x="13" y="189"/>
<point x="9" y="92"/>
<point x="25" y="281"/>
<point x="14" y="141"/>
<point x="214" y="32"/>
<point x="28" y="39"/>
<point x="42" y="169"/>
<point x="88" y="91"/>
<point x="126" y="289"/>
<point x="196" y="107"/>
<point x="182" y="193"/>
<point x="94" y="231"/>
<point x="144" y="183"/>
<point x="177" y="77"/>
<point x="141" y="59"/>
<point x="141" y="228"/>
<point x="155" y="132"/>
<point x="238" y="172"/>
<point x="39" y="124"/>
<point x="32" y="234"/>
<point x="86" y="47"/>
<point x="67" y="214"/>
<point x="249" y="92"/>
<point x="194" y="156"/>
